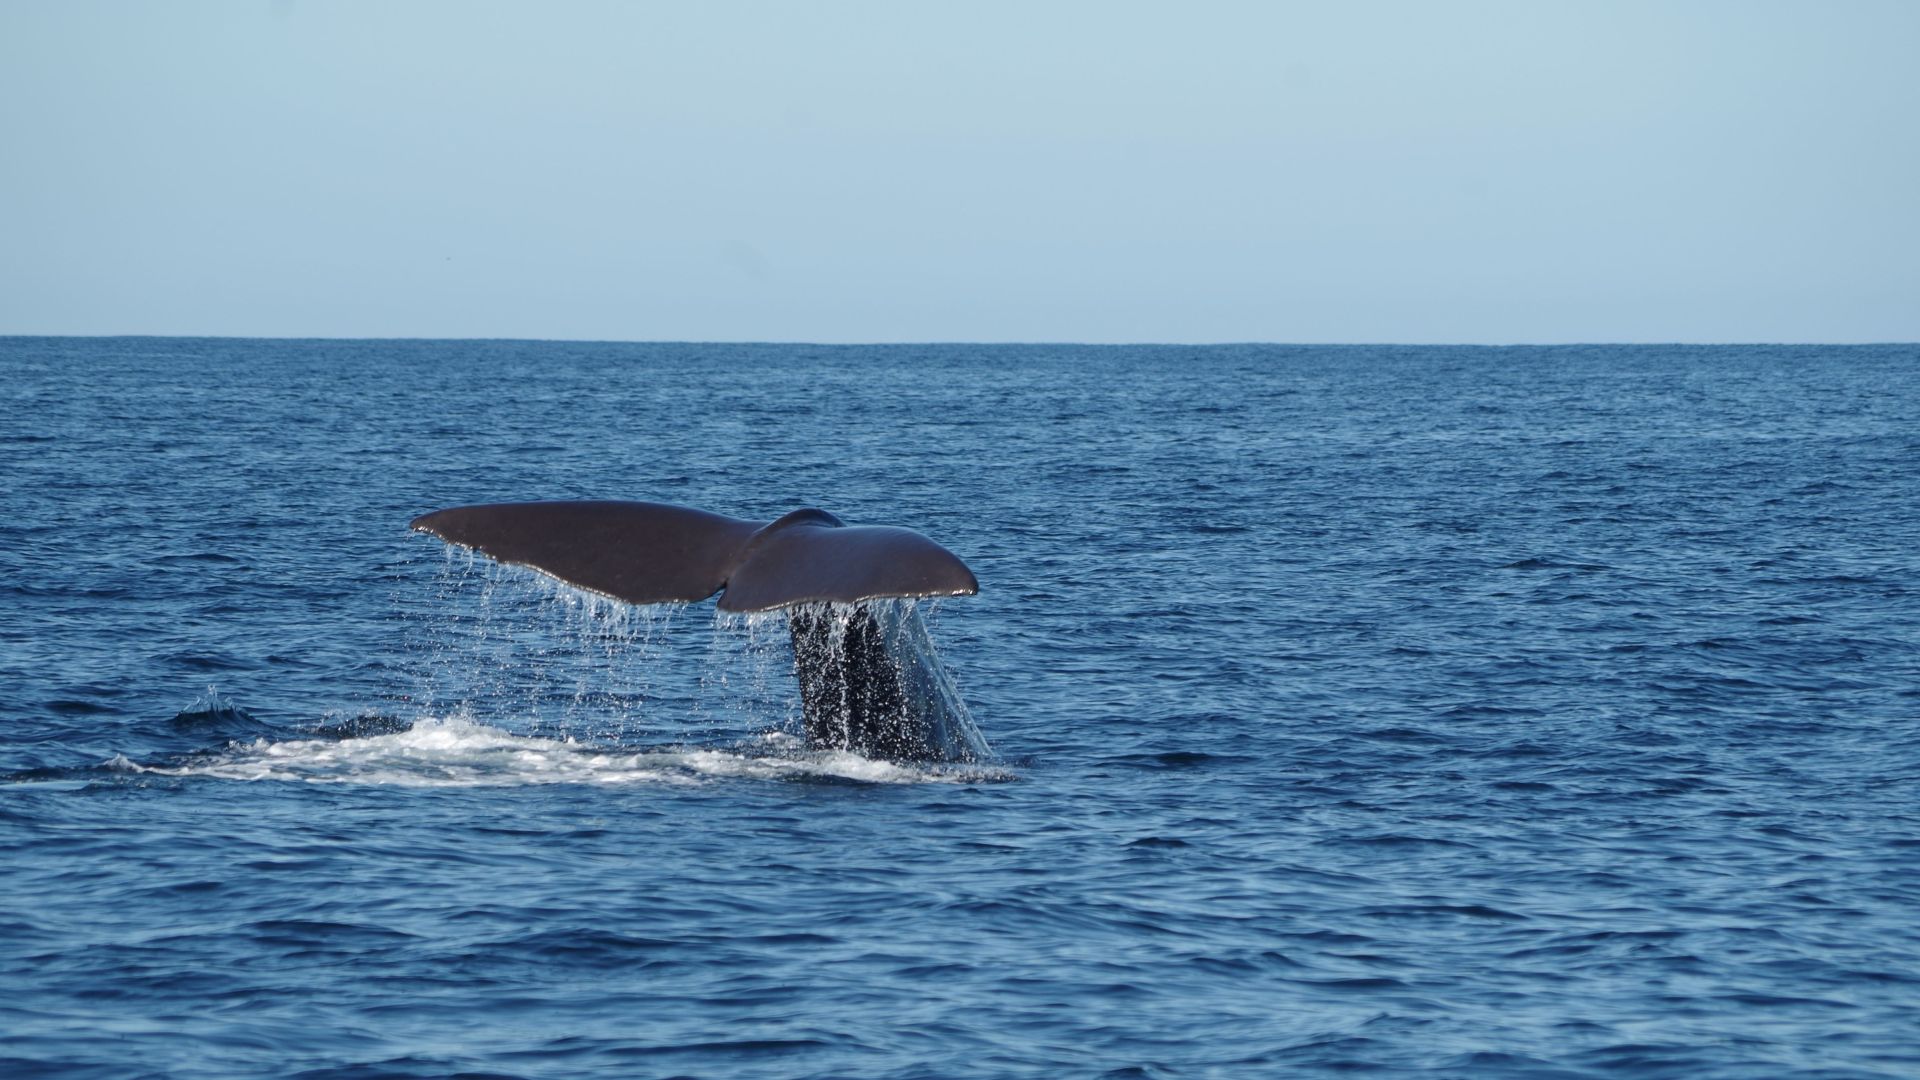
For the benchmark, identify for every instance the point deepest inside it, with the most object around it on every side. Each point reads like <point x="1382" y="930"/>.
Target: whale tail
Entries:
<point x="870" y="681"/>
<point x="653" y="553"/>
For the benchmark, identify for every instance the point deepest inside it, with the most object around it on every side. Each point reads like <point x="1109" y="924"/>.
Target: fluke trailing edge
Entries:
<point x="869" y="679"/>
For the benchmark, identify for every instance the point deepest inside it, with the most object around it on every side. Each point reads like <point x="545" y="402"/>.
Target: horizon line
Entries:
<point x="968" y="343"/>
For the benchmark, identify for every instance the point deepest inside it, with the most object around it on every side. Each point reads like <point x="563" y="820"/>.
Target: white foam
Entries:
<point x="455" y="752"/>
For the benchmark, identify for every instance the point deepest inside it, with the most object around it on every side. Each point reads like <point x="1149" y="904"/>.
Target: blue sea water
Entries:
<point x="1410" y="711"/>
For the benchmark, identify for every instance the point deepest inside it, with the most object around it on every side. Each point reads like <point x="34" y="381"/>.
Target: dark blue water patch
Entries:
<point x="1441" y="712"/>
<point x="75" y="707"/>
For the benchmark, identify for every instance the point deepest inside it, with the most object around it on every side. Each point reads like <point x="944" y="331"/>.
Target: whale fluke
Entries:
<point x="869" y="679"/>
<point x="652" y="553"/>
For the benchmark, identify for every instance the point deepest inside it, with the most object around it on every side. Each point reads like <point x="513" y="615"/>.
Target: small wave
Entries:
<point x="212" y="714"/>
<point x="195" y="557"/>
<point x="1554" y="563"/>
<point x="455" y="752"/>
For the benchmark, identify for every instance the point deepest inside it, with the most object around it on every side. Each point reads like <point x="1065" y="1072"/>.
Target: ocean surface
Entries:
<point x="1450" y="712"/>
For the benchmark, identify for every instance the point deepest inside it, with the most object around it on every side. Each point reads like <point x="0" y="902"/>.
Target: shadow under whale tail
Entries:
<point x="870" y="681"/>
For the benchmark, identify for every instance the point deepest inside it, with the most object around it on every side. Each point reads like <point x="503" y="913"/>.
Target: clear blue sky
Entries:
<point x="1531" y="171"/>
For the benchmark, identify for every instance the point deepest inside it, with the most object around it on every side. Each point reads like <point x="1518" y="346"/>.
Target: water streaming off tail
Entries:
<point x="518" y="679"/>
<point x="510" y="648"/>
<point x="871" y="680"/>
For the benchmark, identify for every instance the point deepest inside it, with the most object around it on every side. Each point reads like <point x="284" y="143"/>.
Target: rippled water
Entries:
<point x="1425" y="711"/>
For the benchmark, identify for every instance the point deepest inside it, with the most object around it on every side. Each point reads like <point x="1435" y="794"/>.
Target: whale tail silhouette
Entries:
<point x="869" y="679"/>
<point x="653" y="553"/>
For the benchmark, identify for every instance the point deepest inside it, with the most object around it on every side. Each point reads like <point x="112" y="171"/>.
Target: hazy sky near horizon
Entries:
<point x="1072" y="171"/>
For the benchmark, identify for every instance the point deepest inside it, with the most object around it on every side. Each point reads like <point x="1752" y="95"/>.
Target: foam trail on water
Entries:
<point x="458" y="752"/>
